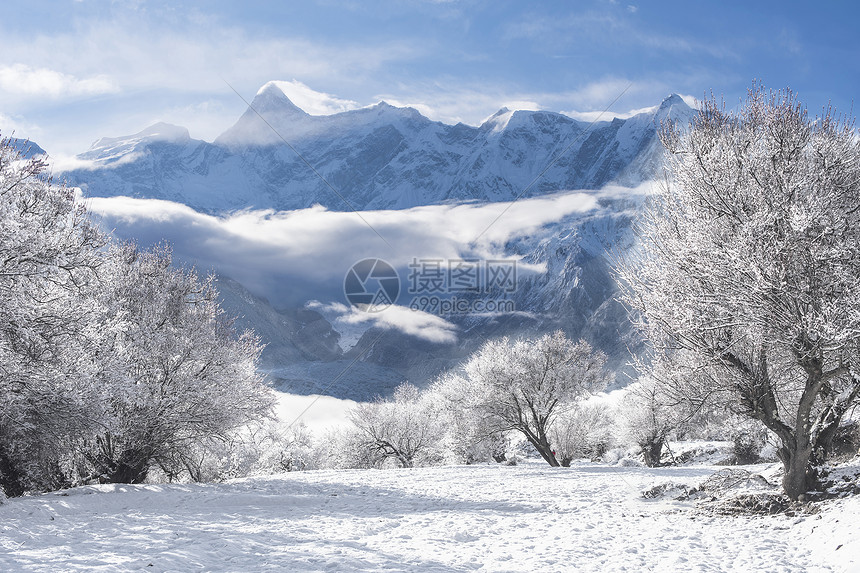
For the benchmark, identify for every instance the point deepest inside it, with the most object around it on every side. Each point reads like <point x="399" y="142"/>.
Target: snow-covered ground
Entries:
<point x="530" y="517"/>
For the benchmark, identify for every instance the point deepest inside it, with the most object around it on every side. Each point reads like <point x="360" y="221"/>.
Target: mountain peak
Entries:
<point x="672" y="100"/>
<point x="272" y="98"/>
<point x="405" y="111"/>
<point x="675" y="109"/>
<point x="160" y="131"/>
<point x="498" y="121"/>
<point x="25" y="147"/>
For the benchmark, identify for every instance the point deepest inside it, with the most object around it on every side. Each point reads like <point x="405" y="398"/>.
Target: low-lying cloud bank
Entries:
<point x="294" y="257"/>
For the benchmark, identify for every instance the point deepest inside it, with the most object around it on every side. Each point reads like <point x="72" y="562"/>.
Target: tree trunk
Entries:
<point x="545" y="450"/>
<point x="801" y="474"/>
<point x="652" y="452"/>
<point x="800" y="477"/>
<point x="11" y="478"/>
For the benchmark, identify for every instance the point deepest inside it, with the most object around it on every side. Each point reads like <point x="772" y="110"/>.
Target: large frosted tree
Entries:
<point x="49" y="257"/>
<point x="112" y="360"/>
<point x="524" y="384"/>
<point x="749" y="270"/>
<point x="174" y="372"/>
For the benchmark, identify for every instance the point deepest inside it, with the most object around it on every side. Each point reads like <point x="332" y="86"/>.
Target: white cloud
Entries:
<point x="312" y="101"/>
<point x="62" y="163"/>
<point x="412" y="322"/>
<point x="188" y="52"/>
<point x="24" y="80"/>
<point x="600" y="115"/>
<point x="293" y="257"/>
<point x="318" y="413"/>
<point x="158" y="61"/>
<point x="18" y="127"/>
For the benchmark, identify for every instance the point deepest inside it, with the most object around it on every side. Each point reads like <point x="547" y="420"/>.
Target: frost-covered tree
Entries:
<point x="48" y="262"/>
<point x="524" y="384"/>
<point x="471" y="435"/>
<point x="175" y="373"/>
<point x="581" y="430"/>
<point x="649" y="415"/>
<point x="262" y="448"/>
<point x="406" y="428"/>
<point x="750" y="261"/>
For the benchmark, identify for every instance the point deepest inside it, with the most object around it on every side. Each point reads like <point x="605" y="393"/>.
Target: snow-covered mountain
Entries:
<point x="379" y="157"/>
<point x="278" y="157"/>
<point x="26" y="147"/>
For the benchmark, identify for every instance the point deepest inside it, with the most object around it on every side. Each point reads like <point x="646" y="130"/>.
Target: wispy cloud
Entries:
<point x="40" y="83"/>
<point x="157" y="62"/>
<point x="184" y="53"/>
<point x="312" y="101"/>
<point x="296" y="256"/>
<point x="613" y="25"/>
<point x="415" y="323"/>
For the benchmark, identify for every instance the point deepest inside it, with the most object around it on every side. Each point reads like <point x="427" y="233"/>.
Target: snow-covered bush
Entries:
<point x="748" y="437"/>
<point x="345" y="448"/>
<point x="176" y="377"/>
<point x="582" y="430"/>
<point x="258" y="449"/>
<point x="406" y="428"/>
<point x="470" y="435"/>
<point x="649" y="416"/>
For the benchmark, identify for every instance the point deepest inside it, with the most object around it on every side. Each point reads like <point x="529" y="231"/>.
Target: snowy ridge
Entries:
<point x="377" y="157"/>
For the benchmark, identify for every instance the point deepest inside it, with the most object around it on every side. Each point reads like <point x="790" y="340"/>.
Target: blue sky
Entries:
<point x="72" y="71"/>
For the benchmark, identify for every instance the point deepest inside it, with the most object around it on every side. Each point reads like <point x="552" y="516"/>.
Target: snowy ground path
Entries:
<point x="491" y="518"/>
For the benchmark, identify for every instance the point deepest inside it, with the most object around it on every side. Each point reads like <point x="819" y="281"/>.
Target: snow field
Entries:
<point x="461" y="518"/>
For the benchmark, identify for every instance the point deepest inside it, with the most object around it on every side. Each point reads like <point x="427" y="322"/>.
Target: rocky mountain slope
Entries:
<point x="278" y="157"/>
<point x="379" y="157"/>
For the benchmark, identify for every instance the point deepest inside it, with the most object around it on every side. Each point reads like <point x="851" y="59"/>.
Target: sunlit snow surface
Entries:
<point x="463" y="518"/>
